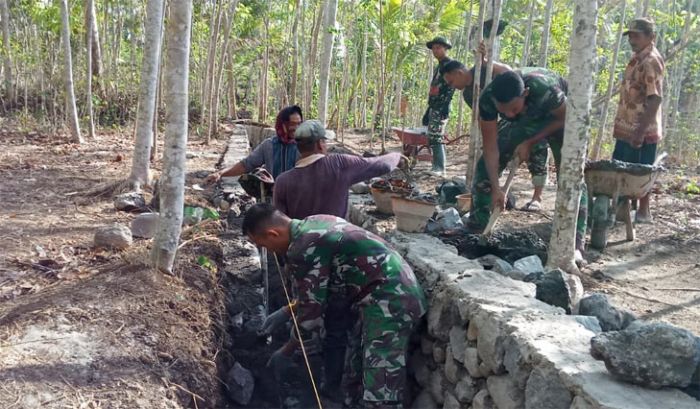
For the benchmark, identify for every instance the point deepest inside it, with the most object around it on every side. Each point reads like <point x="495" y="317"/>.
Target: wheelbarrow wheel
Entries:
<point x="599" y="222"/>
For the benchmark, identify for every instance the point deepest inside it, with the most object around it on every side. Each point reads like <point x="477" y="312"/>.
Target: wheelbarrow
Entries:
<point x="611" y="180"/>
<point x="415" y="143"/>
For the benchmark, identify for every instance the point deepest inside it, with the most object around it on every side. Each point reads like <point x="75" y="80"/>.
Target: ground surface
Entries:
<point x="81" y="327"/>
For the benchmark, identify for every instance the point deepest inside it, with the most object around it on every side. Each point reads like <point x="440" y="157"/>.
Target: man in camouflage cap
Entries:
<point x="439" y="99"/>
<point x="328" y="259"/>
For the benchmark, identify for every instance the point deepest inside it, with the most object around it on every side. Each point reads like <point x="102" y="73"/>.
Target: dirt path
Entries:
<point x="81" y="327"/>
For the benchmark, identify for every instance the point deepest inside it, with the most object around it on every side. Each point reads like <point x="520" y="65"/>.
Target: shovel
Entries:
<point x="513" y="167"/>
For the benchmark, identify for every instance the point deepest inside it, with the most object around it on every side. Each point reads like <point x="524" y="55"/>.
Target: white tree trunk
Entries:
<point x="611" y="85"/>
<point x="475" y="133"/>
<point x="88" y="59"/>
<point x="6" y="56"/>
<point x="71" y="109"/>
<point x="147" y="94"/>
<point x="96" y="47"/>
<point x="493" y="40"/>
<point x="172" y="183"/>
<point x="578" y="109"/>
<point x="326" y="57"/>
<point x="528" y="35"/>
<point x="544" y="46"/>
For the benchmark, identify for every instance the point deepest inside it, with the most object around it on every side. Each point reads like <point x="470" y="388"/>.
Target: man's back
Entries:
<point x="319" y="184"/>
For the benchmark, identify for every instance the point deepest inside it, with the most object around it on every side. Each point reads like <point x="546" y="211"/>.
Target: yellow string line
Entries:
<point x="296" y="326"/>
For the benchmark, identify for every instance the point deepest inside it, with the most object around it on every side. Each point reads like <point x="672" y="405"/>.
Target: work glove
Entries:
<point x="274" y="320"/>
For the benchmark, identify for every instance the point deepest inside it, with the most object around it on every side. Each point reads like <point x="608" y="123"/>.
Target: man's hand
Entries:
<point x="287" y="350"/>
<point x="213" y="178"/>
<point x="274" y="320"/>
<point x="498" y="198"/>
<point x="522" y="152"/>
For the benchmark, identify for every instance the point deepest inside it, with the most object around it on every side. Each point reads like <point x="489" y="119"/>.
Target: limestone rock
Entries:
<point x="115" y="236"/>
<point x="439" y="354"/>
<point x="590" y="323"/>
<point x="453" y="370"/>
<point x="240" y="383"/>
<point x="465" y="390"/>
<point x="471" y="362"/>
<point x="545" y="390"/>
<point x="145" y="225"/>
<point x="516" y="364"/>
<point x="442" y="315"/>
<point x="128" y="202"/>
<point x="558" y="289"/>
<point x="450" y="402"/>
<point x="437" y="381"/>
<point x="529" y="265"/>
<point x="472" y="331"/>
<point x="458" y="342"/>
<point x="655" y="355"/>
<point x="424" y="401"/>
<point x="609" y="317"/>
<point x="483" y="400"/>
<point x="360" y="188"/>
<point x="580" y="403"/>
<point x="505" y="392"/>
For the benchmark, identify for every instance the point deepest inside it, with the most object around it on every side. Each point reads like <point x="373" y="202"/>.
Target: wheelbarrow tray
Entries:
<point x="622" y="179"/>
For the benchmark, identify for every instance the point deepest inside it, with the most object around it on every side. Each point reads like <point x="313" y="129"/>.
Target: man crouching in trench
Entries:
<point x="336" y="265"/>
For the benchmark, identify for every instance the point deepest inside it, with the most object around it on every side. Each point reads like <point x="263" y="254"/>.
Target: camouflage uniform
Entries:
<point x="547" y="91"/>
<point x="437" y="113"/>
<point x="335" y="262"/>
<point x="537" y="162"/>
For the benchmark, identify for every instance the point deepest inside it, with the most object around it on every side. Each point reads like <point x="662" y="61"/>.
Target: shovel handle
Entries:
<point x="513" y="167"/>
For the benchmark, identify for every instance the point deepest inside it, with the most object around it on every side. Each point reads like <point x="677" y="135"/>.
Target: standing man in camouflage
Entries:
<point x="439" y="99"/>
<point x="333" y="261"/>
<point x="638" y="125"/>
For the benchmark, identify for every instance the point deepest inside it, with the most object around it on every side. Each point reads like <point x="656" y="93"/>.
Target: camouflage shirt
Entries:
<point x="441" y="92"/>
<point x="331" y="259"/>
<point x="547" y="91"/>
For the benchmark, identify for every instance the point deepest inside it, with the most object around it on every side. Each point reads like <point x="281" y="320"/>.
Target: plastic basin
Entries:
<point x="412" y="215"/>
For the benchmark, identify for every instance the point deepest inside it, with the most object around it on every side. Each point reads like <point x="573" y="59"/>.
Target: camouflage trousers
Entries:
<point x="375" y="366"/>
<point x="436" y="127"/>
<point x="510" y="135"/>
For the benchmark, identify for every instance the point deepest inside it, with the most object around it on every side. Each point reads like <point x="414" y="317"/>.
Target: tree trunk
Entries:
<point x="326" y="58"/>
<point x="262" y="101"/>
<point x="6" y="56"/>
<point x="298" y="10"/>
<point x="475" y="133"/>
<point x="311" y="58"/>
<point x="71" y="109"/>
<point x="232" y="103"/>
<point x="88" y="59"/>
<point x="611" y="82"/>
<point x="570" y="181"/>
<point x="147" y="94"/>
<point x="464" y="51"/>
<point x="528" y="35"/>
<point x="493" y="40"/>
<point x="363" y="79"/>
<point x="172" y="183"/>
<point x="544" y="46"/>
<point x="96" y="47"/>
<point x="211" y="61"/>
<point x="212" y="127"/>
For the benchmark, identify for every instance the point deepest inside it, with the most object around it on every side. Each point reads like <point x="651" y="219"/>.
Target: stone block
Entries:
<point x="482" y="400"/>
<point x="451" y="401"/>
<point x="590" y="323"/>
<point x="437" y="385"/>
<point x="465" y="390"/>
<point x="424" y="400"/>
<point x="442" y="315"/>
<point x="490" y="342"/>
<point x="458" y="342"/>
<point x="453" y="369"/>
<point x="439" y="353"/>
<point x="472" y="331"/>
<point x="609" y="317"/>
<point x="144" y="225"/>
<point x="558" y="289"/>
<point x="545" y="390"/>
<point x="580" y="403"/>
<point x="115" y="236"/>
<point x="516" y="363"/>
<point x="471" y="362"/>
<point x="505" y="392"/>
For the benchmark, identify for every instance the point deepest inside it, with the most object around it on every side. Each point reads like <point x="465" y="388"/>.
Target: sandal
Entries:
<point x="532" y="206"/>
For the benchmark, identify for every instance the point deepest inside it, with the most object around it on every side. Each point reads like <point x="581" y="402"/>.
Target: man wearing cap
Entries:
<point x="439" y="100"/>
<point x="319" y="183"/>
<point x="277" y="154"/>
<point x="638" y="126"/>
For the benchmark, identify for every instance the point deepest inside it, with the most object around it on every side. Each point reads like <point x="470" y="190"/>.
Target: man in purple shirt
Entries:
<point x="319" y="183"/>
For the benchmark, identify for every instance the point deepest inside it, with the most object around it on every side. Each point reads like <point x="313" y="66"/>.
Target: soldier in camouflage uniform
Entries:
<point x="439" y="99"/>
<point x="531" y="103"/>
<point x="333" y="262"/>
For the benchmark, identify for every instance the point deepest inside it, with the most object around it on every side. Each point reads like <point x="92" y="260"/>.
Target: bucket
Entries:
<point x="383" y="191"/>
<point x="464" y="202"/>
<point x="412" y="215"/>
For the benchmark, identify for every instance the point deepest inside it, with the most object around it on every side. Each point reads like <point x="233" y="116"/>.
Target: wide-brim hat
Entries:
<point x="641" y="25"/>
<point x="439" y="40"/>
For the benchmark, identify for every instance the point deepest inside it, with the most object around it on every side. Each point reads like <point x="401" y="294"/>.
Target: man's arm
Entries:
<point x="357" y="169"/>
<point x="522" y="151"/>
<point x="252" y="161"/>
<point x="651" y="107"/>
<point x="489" y="132"/>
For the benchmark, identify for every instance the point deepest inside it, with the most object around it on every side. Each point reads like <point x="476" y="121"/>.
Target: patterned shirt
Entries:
<point x="329" y="257"/>
<point x="644" y="77"/>
<point x="547" y="91"/>
<point x="441" y="92"/>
